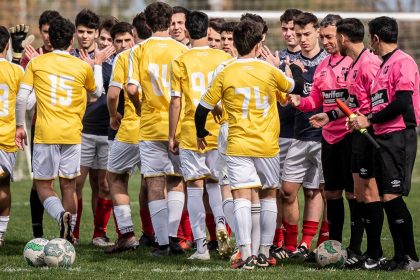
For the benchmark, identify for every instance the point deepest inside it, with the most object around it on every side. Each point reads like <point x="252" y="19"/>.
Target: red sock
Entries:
<point x="278" y="237"/>
<point x="117" y="230"/>
<point x="76" y="230"/>
<point x="146" y="222"/>
<point x="102" y="215"/>
<point x="290" y="236"/>
<point x="186" y="226"/>
<point x="211" y="226"/>
<point x="229" y="230"/>
<point x="323" y="233"/>
<point x="180" y="233"/>
<point x="309" y="229"/>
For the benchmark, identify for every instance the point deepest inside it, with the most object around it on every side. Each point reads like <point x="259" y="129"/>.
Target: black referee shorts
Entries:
<point x="362" y="155"/>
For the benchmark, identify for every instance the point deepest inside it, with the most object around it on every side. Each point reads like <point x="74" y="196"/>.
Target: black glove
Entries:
<point x="18" y="34"/>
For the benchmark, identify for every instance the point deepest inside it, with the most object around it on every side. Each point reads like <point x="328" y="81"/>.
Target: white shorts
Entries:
<point x="123" y="157"/>
<point x="52" y="160"/>
<point x="94" y="151"/>
<point x="251" y="172"/>
<point x="156" y="160"/>
<point x="284" y="144"/>
<point x="196" y="165"/>
<point x="7" y="162"/>
<point x="221" y="165"/>
<point x="303" y="164"/>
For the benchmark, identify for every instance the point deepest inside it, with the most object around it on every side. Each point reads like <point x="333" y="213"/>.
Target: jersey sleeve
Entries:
<point x="117" y="75"/>
<point x="90" y="85"/>
<point x="284" y="83"/>
<point x="28" y="78"/>
<point x="214" y="93"/>
<point x="176" y="78"/>
<point x="133" y="66"/>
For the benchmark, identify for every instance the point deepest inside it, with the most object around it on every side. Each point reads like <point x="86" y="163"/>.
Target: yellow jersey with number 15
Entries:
<point x="249" y="89"/>
<point x="61" y="82"/>
<point x="10" y="76"/>
<point x="191" y="74"/>
<point x="150" y="69"/>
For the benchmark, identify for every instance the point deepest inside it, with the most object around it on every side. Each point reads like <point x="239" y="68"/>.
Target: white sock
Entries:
<point x="123" y="216"/>
<point x="176" y="202"/>
<point x="197" y="213"/>
<point x="54" y="207"/>
<point x="242" y="213"/>
<point x="228" y="207"/>
<point x="73" y="221"/>
<point x="201" y="245"/>
<point x="4" y="220"/>
<point x="159" y="214"/>
<point x="268" y="221"/>
<point x="256" y="229"/>
<point x="215" y="201"/>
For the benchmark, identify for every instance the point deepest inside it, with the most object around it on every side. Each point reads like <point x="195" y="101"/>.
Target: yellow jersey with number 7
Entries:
<point x="61" y="83"/>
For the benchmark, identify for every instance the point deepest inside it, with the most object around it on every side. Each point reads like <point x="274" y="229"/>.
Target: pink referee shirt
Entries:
<point x="329" y="84"/>
<point x="359" y="81"/>
<point x="398" y="73"/>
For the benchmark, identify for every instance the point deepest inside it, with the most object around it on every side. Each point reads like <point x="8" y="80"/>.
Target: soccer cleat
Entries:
<point x="237" y="264"/>
<point x="223" y="242"/>
<point x="123" y="244"/>
<point x="310" y="258"/>
<point x="390" y="265"/>
<point x="250" y="263"/>
<point x="263" y="261"/>
<point x="2" y="239"/>
<point x="200" y="256"/>
<point x="65" y="226"/>
<point x="281" y="253"/>
<point x="161" y="251"/>
<point x="174" y="246"/>
<point x="409" y="264"/>
<point x="76" y="241"/>
<point x="372" y="264"/>
<point x="236" y="256"/>
<point x="147" y="241"/>
<point x="301" y="253"/>
<point x="102" y="241"/>
<point x="213" y="245"/>
<point x="354" y="261"/>
<point x="186" y="244"/>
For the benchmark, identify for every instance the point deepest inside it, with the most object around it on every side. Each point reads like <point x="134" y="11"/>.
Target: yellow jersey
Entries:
<point x="10" y="77"/>
<point x="191" y="73"/>
<point x="129" y="131"/>
<point x="249" y="89"/>
<point x="61" y="82"/>
<point x="150" y="69"/>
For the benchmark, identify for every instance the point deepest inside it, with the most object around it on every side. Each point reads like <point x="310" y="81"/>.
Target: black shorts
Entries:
<point x="394" y="161"/>
<point x="336" y="165"/>
<point x="362" y="159"/>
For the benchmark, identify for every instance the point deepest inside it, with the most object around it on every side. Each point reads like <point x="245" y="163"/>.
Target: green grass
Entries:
<point x="92" y="263"/>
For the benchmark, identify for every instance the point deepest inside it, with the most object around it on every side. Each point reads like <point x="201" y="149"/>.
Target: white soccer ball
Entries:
<point x="33" y="253"/>
<point x="332" y="254"/>
<point x="59" y="253"/>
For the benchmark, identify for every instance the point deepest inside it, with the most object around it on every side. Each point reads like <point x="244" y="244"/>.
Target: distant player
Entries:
<point x="10" y="77"/>
<point x="60" y="82"/>
<point x="251" y="106"/>
<point x="149" y="70"/>
<point x="177" y="29"/>
<point x="226" y="34"/>
<point x="214" y="38"/>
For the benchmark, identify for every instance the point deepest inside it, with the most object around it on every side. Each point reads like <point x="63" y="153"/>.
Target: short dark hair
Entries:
<point x="197" y="24"/>
<point x="330" y="19"/>
<point x="121" y="27"/>
<point x="4" y="38"/>
<point x="247" y="35"/>
<point x="385" y="28"/>
<point x="306" y="18"/>
<point x="158" y="16"/>
<point x="256" y="18"/>
<point x="180" y="10"/>
<point x="61" y="33"/>
<point x="353" y="28"/>
<point x="228" y="26"/>
<point x="107" y="23"/>
<point x="46" y="17"/>
<point x="88" y="19"/>
<point x="289" y="15"/>
<point x="142" y="29"/>
<point x="216" y="24"/>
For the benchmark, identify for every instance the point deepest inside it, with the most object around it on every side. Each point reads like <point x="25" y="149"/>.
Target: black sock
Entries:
<point x="403" y="223"/>
<point x="356" y="225"/>
<point x="374" y="219"/>
<point x="37" y="213"/>
<point x="335" y="214"/>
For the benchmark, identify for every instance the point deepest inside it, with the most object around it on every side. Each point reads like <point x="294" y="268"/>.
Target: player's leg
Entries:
<point x="210" y="223"/>
<point x="148" y="236"/>
<point x="176" y="200"/>
<point x="6" y="176"/>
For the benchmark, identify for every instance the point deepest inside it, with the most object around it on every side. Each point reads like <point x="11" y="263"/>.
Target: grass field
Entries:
<point x="92" y="263"/>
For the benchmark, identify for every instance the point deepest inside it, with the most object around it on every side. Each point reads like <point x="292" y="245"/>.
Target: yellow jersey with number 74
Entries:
<point x="61" y="83"/>
<point x="249" y="89"/>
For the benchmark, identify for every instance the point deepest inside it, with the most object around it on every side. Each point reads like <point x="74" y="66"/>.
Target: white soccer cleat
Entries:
<point x="102" y="242"/>
<point x="200" y="256"/>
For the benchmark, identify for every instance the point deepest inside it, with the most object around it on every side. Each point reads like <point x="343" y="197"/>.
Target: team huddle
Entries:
<point x="224" y="132"/>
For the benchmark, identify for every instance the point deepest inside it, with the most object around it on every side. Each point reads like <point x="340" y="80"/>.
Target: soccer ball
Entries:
<point x="33" y="252"/>
<point x="331" y="253"/>
<point x="59" y="253"/>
